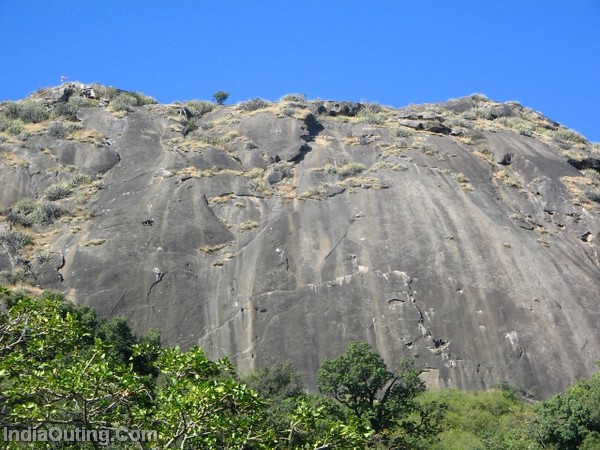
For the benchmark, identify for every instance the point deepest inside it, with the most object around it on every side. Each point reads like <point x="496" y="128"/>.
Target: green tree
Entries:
<point x="278" y="382"/>
<point x="199" y="404"/>
<point x="220" y="97"/>
<point x="316" y="423"/>
<point x="571" y="419"/>
<point x="61" y="366"/>
<point x="300" y="420"/>
<point x="53" y="376"/>
<point x="282" y="389"/>
<point x="360" y="380"/>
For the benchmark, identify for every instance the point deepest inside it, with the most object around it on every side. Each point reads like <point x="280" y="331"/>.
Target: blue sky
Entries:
<point x="545" y="54"/>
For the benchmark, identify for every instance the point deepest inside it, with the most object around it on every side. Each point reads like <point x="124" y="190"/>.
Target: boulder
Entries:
<point x="56" y="94"/>
<point x="586" y="163"/>
<point x="433" y="126"/>
<point x="333" y="108"/>
<point x="346" y="235"/>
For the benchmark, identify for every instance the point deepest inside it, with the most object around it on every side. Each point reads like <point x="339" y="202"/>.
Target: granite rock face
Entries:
<point x="460" y="234"/>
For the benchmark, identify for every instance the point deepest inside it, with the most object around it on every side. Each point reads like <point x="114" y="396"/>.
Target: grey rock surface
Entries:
<point x="266" y="237"/>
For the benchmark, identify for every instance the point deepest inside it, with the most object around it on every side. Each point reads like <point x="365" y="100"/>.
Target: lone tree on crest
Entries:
<point x="220" y="97"/>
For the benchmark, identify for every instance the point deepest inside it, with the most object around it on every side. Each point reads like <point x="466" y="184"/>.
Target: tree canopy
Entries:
<point x="62" y="366"/>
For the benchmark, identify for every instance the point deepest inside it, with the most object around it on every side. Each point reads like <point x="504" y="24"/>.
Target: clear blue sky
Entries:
<point x="545" y="54"/>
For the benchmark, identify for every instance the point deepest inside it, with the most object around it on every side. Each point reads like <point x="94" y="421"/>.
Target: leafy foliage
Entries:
<point x="220" y="97"/>
<point x="360" y="380"/>
<point x="349" y="169"/>
<point x="56" y="372"/>
<point x="279" y="382"/>
<point x="494" y="419"/>
<point x="199" y="107"/>
<point x="570" y="419"/>
<point x="371" y="113"/>
<point x="355" y="378"/>
<point x="57" y="191"/>
<point x="294" y="98"/>
<point x="125" y="101"/>
<point x="29" y="111"/>
<point x="66" y="110"/>
<point x="61" y="130"/>
<point x="201" y="405"/>
<point x="63" y="366"/>
<point x="15" y="239"/>
<point x="254" y="104"/>
<point x="566" y="134"/>
<point x="27" y="212"/>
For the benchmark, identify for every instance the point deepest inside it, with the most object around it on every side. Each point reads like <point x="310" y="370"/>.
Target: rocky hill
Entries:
<point x="463" y="234"/>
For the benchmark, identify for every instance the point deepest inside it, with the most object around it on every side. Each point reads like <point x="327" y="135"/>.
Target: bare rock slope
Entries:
<point x="463" y="234"/>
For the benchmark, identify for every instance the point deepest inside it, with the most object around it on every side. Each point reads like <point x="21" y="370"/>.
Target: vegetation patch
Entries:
<point x="478" y="112"/>
<point x="28" y="111"/>
<point x="13" y="277"/>
<point x="522" y="126"/>
<point x="126" y="101"/>
<point x="58" y="191"/>
<point x="286" y="190"/>
<point x="220" y="199"/>
<point x="353" y="183"/>
<point x="254" y="104"/>
<point x="198" y="108"/>
<point x="257" y="184"/>
<point x="248" y="225"/>
<point x="193" y="172"/>
<point x="486" y="155"/>
<point x="398" y="148"/>
<point x="15" y="239"/>
<point x="220" y="97"/>
<point x="208" y="249"/>
<point x="61" y="130"/>
<point x="492" y="420"/>
<point x="86" y="136"/>
<point x="351" y="140"/>
<point x="507" y="179"/>
<point x="460" y="177"/>
<point x="592" y="174"/>
<point x="592" y="195"/>
<point x="572" y="153"/>
<point x="568" y="135"/>
<point x="456" y="121"/>
<point x="14" y="127"/>
<point x="313" y="192"/>
<point x="350" y="169"/>
<point x="294" y="105"/>
<point x="66" y="110"/>
<point x="27" y="212"/>
<point x="80" y="179"/>
<point x="94" y="242"/>
<point x="379" y="165"/>
<point x="299" y="99"/>
<point x="371" y="113"/>
<point x="543" y="242"/>
<point x="71" y="354"/>
<point x="257" y="172"/>
<point x="425" y="148"/>
<point x="218" y="141"/>
<point x="46" y="213"/>
<point x="402" y="132"/>
<point x="585" y="189"/>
